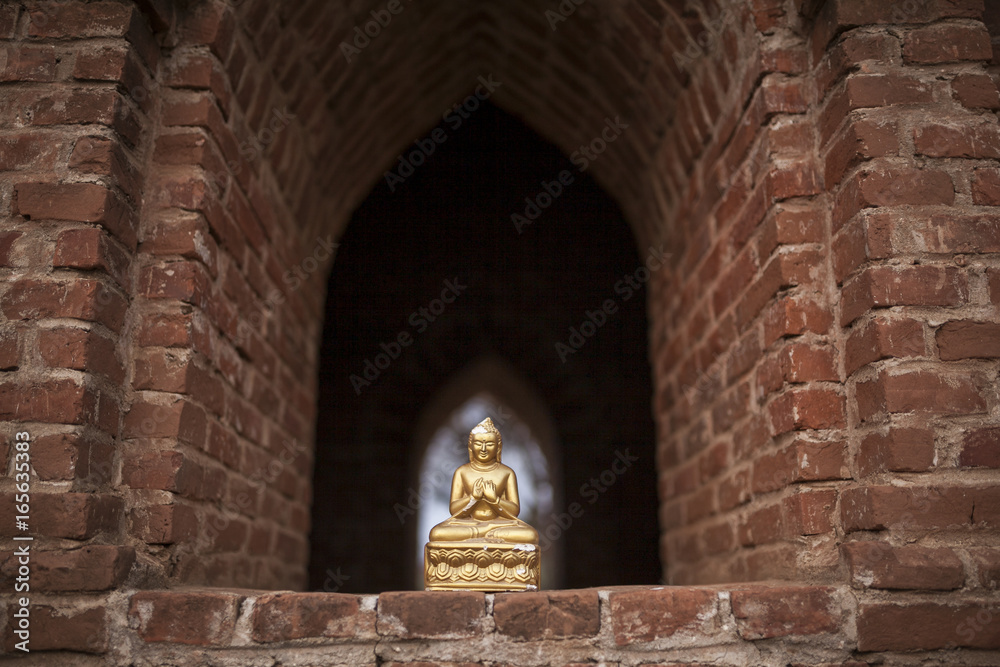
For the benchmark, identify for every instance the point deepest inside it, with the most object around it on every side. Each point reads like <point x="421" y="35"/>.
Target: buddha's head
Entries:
<point x="485" y="443"/>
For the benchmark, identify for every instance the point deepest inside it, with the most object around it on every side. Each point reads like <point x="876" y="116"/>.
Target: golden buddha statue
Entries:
<point x="483" y="545"/>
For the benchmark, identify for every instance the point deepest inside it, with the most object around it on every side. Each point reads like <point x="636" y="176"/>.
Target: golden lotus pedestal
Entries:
<point x="478" y="565"/>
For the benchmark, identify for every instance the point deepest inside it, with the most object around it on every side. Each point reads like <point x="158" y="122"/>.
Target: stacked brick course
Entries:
<point x="824" y="345"/>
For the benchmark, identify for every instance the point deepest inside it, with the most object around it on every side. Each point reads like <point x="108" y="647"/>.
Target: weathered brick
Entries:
<point x="82" y="350"/>
<point x="889" y="626"/>
<point x="919" y="391"/>
<point x="980" y="448"/>
<point x="763" y="612"/>
<point x="976" y="90"/>
<point x="202" y="618"/>
<point x="75" y="516"/>
<point x="968" y="340"/>
<point x="83" y="202"/>
<point x="947" y="42"/>
<point x="27" y="63"/>
<point x="58" y="628"/>
<point x="649" y="615"/>
<point x="884" y="286"/>
<point x="880" y="565"/>
<point x="548" y="615"/>
<point x="52" y="401"/>
<point x="417" y="615"/>
<point x="83" y="299"/>
<point x="897" y="450"/>
<point x="882" y="338"/>
<point x="93" y="249"/>
<point x="287" y="616"/>
<point x="882" y="507"/>
<point x="164" y="524"/>
<point x="66" y="456"/>
<point x="89" y="568"/>
<point x="968" y="140"/>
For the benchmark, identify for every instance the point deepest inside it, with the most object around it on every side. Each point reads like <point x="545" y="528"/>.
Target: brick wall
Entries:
<point x="824" y="347"/>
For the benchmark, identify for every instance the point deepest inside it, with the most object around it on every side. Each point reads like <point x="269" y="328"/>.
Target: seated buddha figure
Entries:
<point x="484" y="503"/>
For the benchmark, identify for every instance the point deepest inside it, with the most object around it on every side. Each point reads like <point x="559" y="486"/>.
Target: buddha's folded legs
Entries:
<point x="457" y="530"/>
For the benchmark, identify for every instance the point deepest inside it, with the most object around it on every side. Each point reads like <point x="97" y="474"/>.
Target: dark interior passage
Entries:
<point x="433" y="275"/>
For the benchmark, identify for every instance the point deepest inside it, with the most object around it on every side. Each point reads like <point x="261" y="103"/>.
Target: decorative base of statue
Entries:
<point x="474" y="565"/>
<point x="483" y="546"/>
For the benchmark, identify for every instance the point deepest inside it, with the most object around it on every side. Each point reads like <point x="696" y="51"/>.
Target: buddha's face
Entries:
<point x="483" y="447"/>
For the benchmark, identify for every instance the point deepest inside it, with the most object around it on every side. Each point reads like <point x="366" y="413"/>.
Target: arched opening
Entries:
<point x="431" y="276"/>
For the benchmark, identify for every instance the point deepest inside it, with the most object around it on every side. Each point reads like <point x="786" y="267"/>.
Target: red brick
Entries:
<point x="202" y="618"/>
<point x="548" y="615"/>
<point x="166" y="471"/>
<point x="976" y="90"/>
<point x="919" y="285"/>
<point x="7" y="241"/>
<point x="287" y="616"/>
<point x="649" y="615"/>
<point x="861" y="139"/>
<point x="878" y="185"/>
<point x="881" y="338"/>
<point x="802" y="460"/>
<point x="64" y="629"/>
<point x="10" y="351"/>
<point x="67" y="456"/>
<point x="866" y="90"/>
<point x="82" y="350"/>
<point x="181" y="419"/>
<point x="75" y="516"/>
<point x="164" y="524"/>
<point x="970" y="139"/>
<point x="898" y="450"/>
<point x="980" y="448"/>
<point x="987" y="564"/>
<point x="887" y="626"/>
<point x="947" y="42"/>
<point x="28" y="150"/>
<point x="761" y="526"/>
<point x="28" y="63"/>
<point x="93" y="249"/>
<point x="882" y="507"/>
<point x="764" y="612"/>
<point x="420" y="615"/>
<point x="89" y="568"/>
<point x="83" y="202"/>
<point x="186" y="280"/>
<point x="923" y="392"/>
<point x="969" y="340"/>
<point x="806" y="409"/>
<point x="52" y="401"/>
<point x="986" y="186"/>
<point x="100" y="155"/>
<point x="792" y="316"/>
<point x="83" y="299"/>
<point x="880" y="565"/>
<point x="808" y="512"/>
